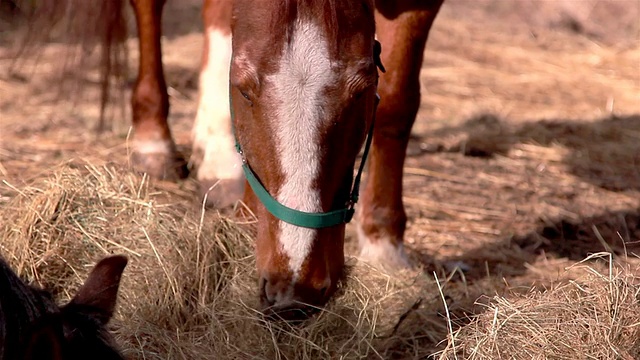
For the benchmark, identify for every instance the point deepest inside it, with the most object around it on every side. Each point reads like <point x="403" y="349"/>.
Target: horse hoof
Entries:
<point x="220" y="194"/>
<point x="384" y="255"/>
<point x="159" y="165"/>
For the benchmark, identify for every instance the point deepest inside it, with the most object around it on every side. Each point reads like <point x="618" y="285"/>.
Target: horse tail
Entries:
<point x="89" y="25"/>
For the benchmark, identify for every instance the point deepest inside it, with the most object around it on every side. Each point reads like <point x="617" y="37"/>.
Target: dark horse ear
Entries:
<point x="100" y="291"/>
<point x="377" y="51"/>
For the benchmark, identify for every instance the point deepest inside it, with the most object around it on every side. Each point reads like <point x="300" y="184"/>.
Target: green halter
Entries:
<point x="301" y="218"/>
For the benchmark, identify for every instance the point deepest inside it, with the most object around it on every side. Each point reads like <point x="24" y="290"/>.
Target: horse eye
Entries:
<point x="359" y="94"/>
<point x="245" y="95"/>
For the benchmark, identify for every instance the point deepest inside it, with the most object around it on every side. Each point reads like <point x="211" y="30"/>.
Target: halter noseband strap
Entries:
<point x="301" y="218"/>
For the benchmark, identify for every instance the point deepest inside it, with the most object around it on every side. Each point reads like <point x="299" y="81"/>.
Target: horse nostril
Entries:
<point x="266" y="298"/>
<point x="324" y="291"/>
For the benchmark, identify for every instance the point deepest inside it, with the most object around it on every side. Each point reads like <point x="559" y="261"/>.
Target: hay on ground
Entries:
<point x="189" y="291"/>
<point x="594" y="318"/>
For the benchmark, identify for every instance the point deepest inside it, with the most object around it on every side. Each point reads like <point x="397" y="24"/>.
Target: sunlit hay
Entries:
<point x="594" y="318"/>
<point x="190" y="289"/>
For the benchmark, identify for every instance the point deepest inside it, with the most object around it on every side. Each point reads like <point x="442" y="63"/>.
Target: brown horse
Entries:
<point x="303" y="83"/>
<point x="32" y="326"/>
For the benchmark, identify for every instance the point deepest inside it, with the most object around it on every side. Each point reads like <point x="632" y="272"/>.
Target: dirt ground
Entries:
<point x="525" y="156"/>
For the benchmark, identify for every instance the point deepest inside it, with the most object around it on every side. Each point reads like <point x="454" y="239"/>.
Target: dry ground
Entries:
<point x="525" y="159"/>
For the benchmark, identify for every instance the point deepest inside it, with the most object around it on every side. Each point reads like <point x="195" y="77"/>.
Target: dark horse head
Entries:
<point x="33" y="327"/>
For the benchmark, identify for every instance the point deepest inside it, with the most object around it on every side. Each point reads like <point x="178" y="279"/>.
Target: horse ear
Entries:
<point x="100" y="291"/>
<point x="377" y="52"/>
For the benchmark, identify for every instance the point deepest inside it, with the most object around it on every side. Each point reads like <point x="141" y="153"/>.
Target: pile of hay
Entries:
<point x="190" y="289"/>
<point x="597" y="317"/>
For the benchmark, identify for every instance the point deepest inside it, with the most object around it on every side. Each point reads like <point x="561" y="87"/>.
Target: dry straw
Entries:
<point x="594" y="318"/>
<point x="189" y="291"/>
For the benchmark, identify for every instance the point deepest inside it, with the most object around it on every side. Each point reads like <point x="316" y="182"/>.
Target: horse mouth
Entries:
<point x="293" y="307"/>
<point x="291" y="312"/>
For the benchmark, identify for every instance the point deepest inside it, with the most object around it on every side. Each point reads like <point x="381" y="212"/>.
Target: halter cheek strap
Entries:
<point x="301" y="218"/>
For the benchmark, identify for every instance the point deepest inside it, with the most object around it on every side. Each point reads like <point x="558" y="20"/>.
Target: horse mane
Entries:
<point x="20" y="306"/>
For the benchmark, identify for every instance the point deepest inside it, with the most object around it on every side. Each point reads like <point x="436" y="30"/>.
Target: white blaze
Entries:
<point x="303" y="75"/>
<point x="212" y="129"/>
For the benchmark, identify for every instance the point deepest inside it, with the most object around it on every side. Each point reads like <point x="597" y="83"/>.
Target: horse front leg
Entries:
<point x="154" y="150"/>
<point x="219" y="167"/>
<point x="402" y="29"/>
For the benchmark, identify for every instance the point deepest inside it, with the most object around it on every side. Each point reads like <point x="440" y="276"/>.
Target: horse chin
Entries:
<point x="293" y="312"/>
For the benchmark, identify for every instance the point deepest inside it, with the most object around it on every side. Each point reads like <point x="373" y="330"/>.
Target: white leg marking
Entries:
<point x="382" y="252"/>
<point x="305" y="71"/>
<point x="212" y="129"/>
<point x="153" y="146"/>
